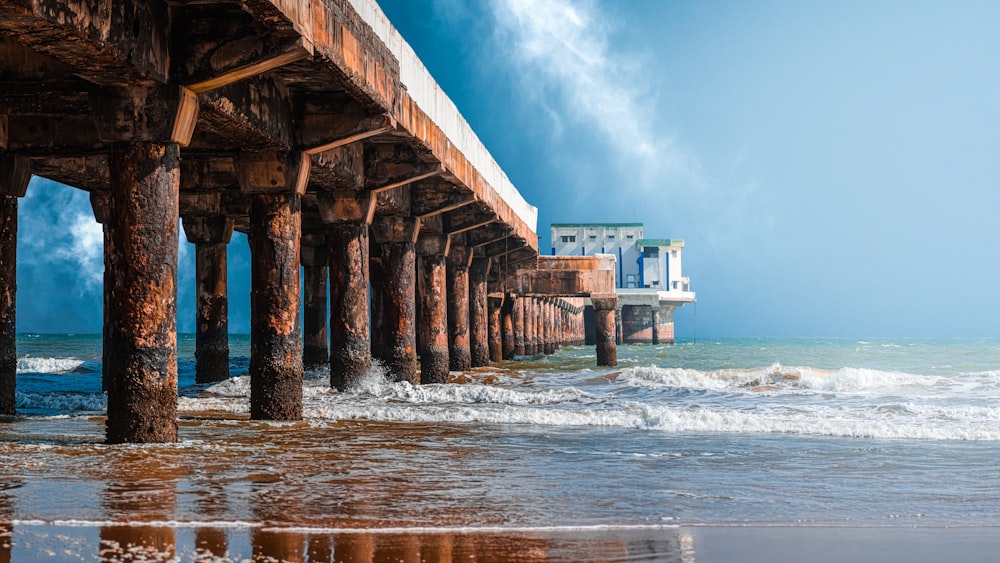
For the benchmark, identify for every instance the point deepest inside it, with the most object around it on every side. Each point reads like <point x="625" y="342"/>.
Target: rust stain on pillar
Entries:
<point x="433" y="326"/>
<point x="142" y="305"/>
<point x="8" y="302"/>
<point x="459" y="346"/>
<point x="495" y="329"/>
<point x="479" y="312"/>
<point x="350" y="341"/>
<point x="275" y="343"/>
<point x="397" y="236"/>
<point x="507" y="326"/>
<point x="604" y="321"/>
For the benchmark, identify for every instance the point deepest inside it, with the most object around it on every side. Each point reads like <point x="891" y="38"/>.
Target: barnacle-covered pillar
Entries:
<point x="507" y="325"/>
<point x="15" y="173"/>
<point x="398" y="235"/>
<point x="479" y="312"/>
<point x="313" y="255"/>
<point x="275" y="182"/>
<point x="210" y="235"/>
<point x="604" y="322"/>
<point x="433" y="250"/>
<point x="348" y="214"/>
<point x="459" y="346"/>
<point x="146" y="125"/>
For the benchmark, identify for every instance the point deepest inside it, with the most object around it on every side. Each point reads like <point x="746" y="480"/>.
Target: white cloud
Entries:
<point x="566" y="62"/>
<point x="86" y="249"/>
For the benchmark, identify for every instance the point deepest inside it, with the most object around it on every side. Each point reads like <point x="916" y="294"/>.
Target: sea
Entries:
<point x="544" y="458"/>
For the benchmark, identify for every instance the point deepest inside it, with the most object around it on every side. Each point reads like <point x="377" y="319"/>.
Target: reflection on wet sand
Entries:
<point x="367" y="547"/>
<point x="139" y="489"/>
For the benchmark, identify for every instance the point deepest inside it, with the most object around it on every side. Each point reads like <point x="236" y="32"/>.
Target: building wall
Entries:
<point x="588" y="239"/>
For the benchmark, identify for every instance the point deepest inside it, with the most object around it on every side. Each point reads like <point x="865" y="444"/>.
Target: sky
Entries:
<point x="831" y="166"/>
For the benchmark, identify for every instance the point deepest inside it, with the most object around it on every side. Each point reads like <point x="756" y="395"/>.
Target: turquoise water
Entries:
<point x="796" y="432"/>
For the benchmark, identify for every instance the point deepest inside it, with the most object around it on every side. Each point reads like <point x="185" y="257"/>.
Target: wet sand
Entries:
<point x="38" y="541"/>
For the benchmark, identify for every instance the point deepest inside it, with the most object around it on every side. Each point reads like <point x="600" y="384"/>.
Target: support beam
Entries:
<point x="210" y="237"/>
<point x="517" y="318"/>
<point x="141" y="261"/>
<point x="275" y="343"/>
<point x="495" y="329"/>
<point x="528" y="311"/>
<point x="619" y="328"/>
<point x="550" y="328"/>
<point x="397" y="236"/>
<point x="8" y="301"/>
<point x="655" y="315"/>
<point x="432" y="250"/>
<point x="479" y="312"/>
<point x="604" y="315"/>
<point x="314" y="273"/>
<point x="507" y="326"/>
<point x="349" y="215"/>
<point x="459" y="347"/>
<point x="148" y="125"/>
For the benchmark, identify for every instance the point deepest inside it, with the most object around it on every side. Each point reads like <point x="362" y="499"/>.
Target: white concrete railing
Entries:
<point x="427" y="94"/>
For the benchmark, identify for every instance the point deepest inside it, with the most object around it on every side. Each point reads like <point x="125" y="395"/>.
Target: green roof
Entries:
<point x="643" y="242"/>
<point x="557" y="225"/>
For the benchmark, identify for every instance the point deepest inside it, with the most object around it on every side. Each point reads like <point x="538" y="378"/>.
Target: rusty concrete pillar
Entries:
<point x="313" y="256"/>
<point x="459" y="345"/>
<point x="543" y="326"/>
<point x="517" y="317"/>
<point x="147" y="126"/>
<point x="478" y="312"/>
<point x="529" y="326"/>
<point x="275" y="183"/>
<point x="15" y="173"/>
<point x="507" y="325"/>
<point x="433" y="250"/>
<point x="604" y="320"/>
<point x="210" y="235"/>
<point x="495" y="304"/>
<point x="656" y="324"/>
<point x="619" y="335"/>
<point x="539" y="307"/>
<point x="142" y="307"/>
<point x="398" y="236"/>
<point x="349" y="215"/>
<point x="8" y="303"/>
<point x="550" y="328"/>
<point x="376" y="298"/>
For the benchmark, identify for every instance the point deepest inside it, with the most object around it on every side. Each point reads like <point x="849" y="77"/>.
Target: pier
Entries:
<point x="311" y="126"/>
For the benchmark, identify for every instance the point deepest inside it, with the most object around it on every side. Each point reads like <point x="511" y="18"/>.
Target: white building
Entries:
<point x="649" y="276"/>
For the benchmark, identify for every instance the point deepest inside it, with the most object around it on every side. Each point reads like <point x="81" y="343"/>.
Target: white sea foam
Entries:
<point x="47" y="365"/>
<point x="60" y="401"/>
<point x="781" y="378"/>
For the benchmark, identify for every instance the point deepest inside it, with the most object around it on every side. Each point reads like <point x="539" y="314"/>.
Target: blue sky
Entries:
<point x="832" y="166"/>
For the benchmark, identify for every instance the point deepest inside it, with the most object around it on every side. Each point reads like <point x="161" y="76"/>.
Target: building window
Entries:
<point x="673" y="253"/>
<point x="656" y="283"/>
<point x="593" y="238"/>
<point x="569" y="238"/>
<point x="629" y="237"/>
<point x="611" y="237"/>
